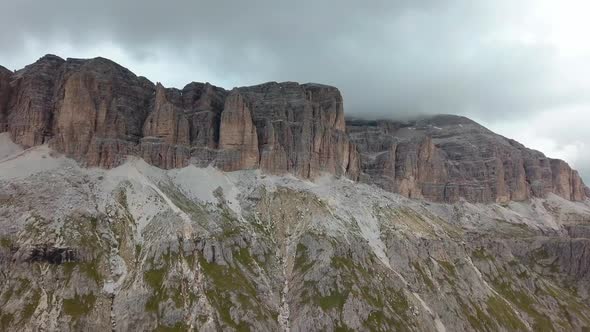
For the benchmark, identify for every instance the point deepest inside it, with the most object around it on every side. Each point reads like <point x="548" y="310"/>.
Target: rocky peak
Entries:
<point x="161" y="97"/>
<point x="100" y="112"/>
<point x="48" y="60"/>
<point x="5" y="72"/>
<point x="199" y="97"/>
<point x="30" y="107"/>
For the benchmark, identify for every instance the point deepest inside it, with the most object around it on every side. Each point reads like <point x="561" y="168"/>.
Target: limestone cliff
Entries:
<point x="445" y="158"/>
<point x="31" y="103"/>
<point x="99" y="113"/>
<point x="238" y="140"/>
<point x="300" y="128"/>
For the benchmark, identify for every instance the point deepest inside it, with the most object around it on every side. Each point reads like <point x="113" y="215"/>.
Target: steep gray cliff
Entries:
<point x="99" y="113"/>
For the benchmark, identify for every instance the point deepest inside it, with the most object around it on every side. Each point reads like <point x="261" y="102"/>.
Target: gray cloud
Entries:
<point x="487" y="60"/>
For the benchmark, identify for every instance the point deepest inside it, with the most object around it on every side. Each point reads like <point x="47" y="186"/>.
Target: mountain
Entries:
<point x="128" y="206"/>
<point x="98" y="113"/>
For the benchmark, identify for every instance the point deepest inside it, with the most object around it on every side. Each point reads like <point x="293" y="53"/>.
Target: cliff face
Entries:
<point x="237" y="135"/>
<point x="300" y="128"/>
<point x="99" y="112"/>
<point x="30" y="107"/>
<point x="444" y="158"/>
<point x="5" y="91"/>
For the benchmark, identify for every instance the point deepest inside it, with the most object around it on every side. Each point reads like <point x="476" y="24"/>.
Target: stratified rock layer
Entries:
<point x="237" y="135"/>
<point x="445" y="158"/>
<point x="99" y="113"/>
<point x="300" y="128"/>
<point x="31" y="104"/>
<point x="5" y="91"/>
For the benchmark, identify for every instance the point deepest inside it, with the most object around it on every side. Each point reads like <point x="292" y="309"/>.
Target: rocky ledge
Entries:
<point x="98" y="112"/>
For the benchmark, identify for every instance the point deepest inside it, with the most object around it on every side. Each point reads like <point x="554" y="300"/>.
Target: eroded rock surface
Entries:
<point x="99" y="113"/>
<point x="445" y="158"/>
<point x="31" y="108"/>
<point x="238" y="140"/>
<point x="5" y="91"/>
<point x="139" y="248"/>
<point x="300" y="128"/>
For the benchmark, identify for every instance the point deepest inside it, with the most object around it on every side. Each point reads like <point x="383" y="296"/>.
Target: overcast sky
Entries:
<point x="522" y="68"/>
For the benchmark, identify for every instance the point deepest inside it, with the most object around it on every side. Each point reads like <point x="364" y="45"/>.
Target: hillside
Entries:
<point x="128" y="206"/>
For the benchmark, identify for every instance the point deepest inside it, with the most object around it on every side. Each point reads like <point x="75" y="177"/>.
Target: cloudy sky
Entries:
<point x="522" y="68"/>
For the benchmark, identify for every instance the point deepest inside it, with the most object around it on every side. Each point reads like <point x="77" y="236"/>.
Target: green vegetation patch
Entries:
<point x="80" y="305"/>
<point x="6" y="321"/>
<point x="423" y="275"/>
<point x="331" y="301"/>
<point x="448" y="266"/>
<point x="501" y="312"/>
<point x="155" y="278"/>
<point x="229" y="284"/>
<point x="122" y="198"/>
<point x="525" y="303"/>
<point x="31" y="305"/>
<point x="408" y="217"/>
<point x="5" y="242"/>
<point x="302" y="262"/>
<point x="480" y="321"/>
<point x="395" y="300"/>
<point x="90" y="269"/>
<point x="178" y="327"/>
<point x="345" y="263"/>
<point x="24" y="284"/>
<point x="243" y="256"/>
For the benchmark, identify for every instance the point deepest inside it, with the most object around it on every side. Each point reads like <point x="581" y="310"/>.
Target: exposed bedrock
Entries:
<point x="98" y="112"/>
<point x="445" y="158"/>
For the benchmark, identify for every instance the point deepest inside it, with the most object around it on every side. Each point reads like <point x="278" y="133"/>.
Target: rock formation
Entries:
<point x="5" y="91"/>
<point x="141" y="248"/>
<point x="445" y="158"/>
<point x="30" y="107"/>
<point x="149" y="247"/>
<point x="300" y="128"/>
<point x="99" y="113"/>
<point x="238" y="140"/>
<point x="166" y="134"/>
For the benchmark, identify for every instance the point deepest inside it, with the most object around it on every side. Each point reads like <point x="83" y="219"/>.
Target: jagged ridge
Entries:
<point x="99" y="112"/>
